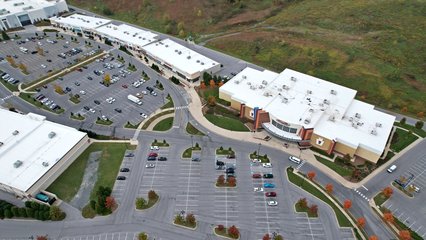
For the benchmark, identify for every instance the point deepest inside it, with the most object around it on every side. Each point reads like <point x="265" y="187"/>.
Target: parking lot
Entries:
<point x="38" y="65"/>
<point x="119" y="186"/>
<point x="88" y="83"/>
<point x="106" y="236"/>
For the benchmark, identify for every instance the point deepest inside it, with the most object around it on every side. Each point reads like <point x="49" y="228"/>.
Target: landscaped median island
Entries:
<point x="231" y="232"/>
<point x="193" y="130"/>
<point x="164" y="143"/>
<point x="77" y="116"/>
<point x="169" y="104"/>
<point x="227" y="152"/>
<point x="302" y="206"/>
<point x="188" y="152"/>
<point x="28" y="98"/>
<point x="104" y="121"/>
<point x="164" y="125"/>
<point x="262" y="159"/>
<point x="186" y="220"/>
<point x="130" y="125"/>
<point x="142" y="204"/>
<point x="152" y="119"/>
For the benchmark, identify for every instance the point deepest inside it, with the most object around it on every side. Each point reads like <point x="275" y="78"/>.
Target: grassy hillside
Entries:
<point x="374" y="46"/>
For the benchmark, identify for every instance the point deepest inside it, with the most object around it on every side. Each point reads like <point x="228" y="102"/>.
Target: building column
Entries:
<point x="331" y="149"/>
<point x="242" y="110"/>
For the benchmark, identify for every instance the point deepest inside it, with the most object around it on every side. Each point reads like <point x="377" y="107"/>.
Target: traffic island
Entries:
<point x="77" y="117"/>
<point x="227" y="152"/>
<point x="131" y="126"/>
<point x="143" y="236"/>
<point x="227" y="233"/>
<point x="262" y="159"/>
<point x="164" y="143"/>
<point x="187" y="154"/>
<point x="188" y="221"/>
<point x="106" y="122"/>
<point x="301" y="206"/>
<point x="193" y="130"/>
<point x="400" y="188"/>
<point x="142" y="204"/>
<point x="74" y="99"/>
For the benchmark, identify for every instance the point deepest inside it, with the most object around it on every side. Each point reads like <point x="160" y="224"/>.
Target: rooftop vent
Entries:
<point x="17" y="164"/>
<point x="264" y="82"/>
<point x="267" y="94"/>
<point x="373" y="132"/>
<point x="202" y="63"/>
<point x="279" y="90"/>
<point x="16" y="132"/>
<point x="244" y="77"/>
<point x="354" y="125"/>
<point x="45" y="164"/>
<point x="261" y="87"/>
<point x="334" y="92"/>
<point x="180" y="52"/>
<point x="308" y="92"/>
<point x="311" y="110"/>
<point x="326" y="101"/>
<point x="248" y="83"/>
<point x="252" y="87"/>
<point x="293" y="79"/>
<point x="307" y="121"/>
<point x="357" y="115"/>
<point x="377" y="125"/>
<point x="332" y="118"/>
<point x="285" y="100"/>
<point x="237" y="82"/>
<point x="167" y="45"/>
<point x="52" y="135"/>
<point x="285" y="87"/>
<point x="198" y="61"/>
<point x="189" y="57"/>
<point x="1" y="144"/>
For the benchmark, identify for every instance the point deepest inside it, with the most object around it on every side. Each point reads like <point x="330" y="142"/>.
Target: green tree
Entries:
<point x="403" y="120"/>
<point x="8" y="213"/>
<point x="419" y="124"/>
<point x="140" y="203"/>
<point x="5" y="36"/>
<point x="15" y="211"/>
<point x="56" y="213"/>
<point x="142" y="236"/>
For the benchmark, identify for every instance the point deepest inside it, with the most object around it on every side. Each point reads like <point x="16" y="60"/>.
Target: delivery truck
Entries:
<point x="134" y="99"/>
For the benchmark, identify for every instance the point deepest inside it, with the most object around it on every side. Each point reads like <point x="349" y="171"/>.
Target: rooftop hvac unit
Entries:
<point x="167" y="45"/>
<point x="261" y="87"/>
<point x="143" y="38"/>
<point x="197" y="60"/>
<point x="279" y="90"/>
<point x="202" y="63"/>
<point x="309" y="92"/>
<point x="180" y="52"/>
<point x="285" y="100"/>
<point x="177" y="51"/>
<point x="244" y="77"/>
<point x="377" y="125"/>
<point x="252" y="87"/>
<point x="264" y="82"/>
<point x="360" y="124"/>
<point x="332" y="118"/>
<point x="354" y="125"/>
<point x="373" y="132"/>
<point x="351" y="119"/>
<point x="293" y="79"/>
<point x="311" y="110"/>
<point x="237" y="82"/>
<point x="332" y="91"/>
<point x="16" y="132"/>
<point x="285" y="87"/>
<point x="17" y="164"/>
<point x="189" y="57"/>
<point x="266" y="94"/>
<point x="248" y="83"/>
<point x="52" y="134"/>
<point x="326" y="101"/>
<point x="1" y="144"/>
<point x="307" y="121"/>
<point x="357" y="115"/>
<point x="45" y="164"/>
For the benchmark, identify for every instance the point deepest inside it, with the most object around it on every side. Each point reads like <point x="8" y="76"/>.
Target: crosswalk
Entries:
<point x="361" y="194"/>
<point x="300" y="165"/>
<point x="181" y="107"/>
<point x="7" y="97"/>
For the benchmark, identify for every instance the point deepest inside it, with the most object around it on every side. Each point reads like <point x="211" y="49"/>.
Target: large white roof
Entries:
<point x="32" y="146"/>
<point x="129" y="34"/>
<point x="179" y="57"/>
<point x="18" y="6"/>
<point x="361" y="125"/>
<point x="79" y="20"/>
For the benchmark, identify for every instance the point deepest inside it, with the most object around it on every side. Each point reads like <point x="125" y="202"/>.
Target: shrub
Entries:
<point x="22" y="212"/>
<point x="220" y="227"/>
<point x="35" y="205"/>
<point x="152" y="195"/>
<point x="140" y="202"/>
<point x="142" y="236"/>
<point x="30" y="212"/>
<point x="15" y="211"/>
<point x="93" y="204"/>
<point x="28" y="204"/>
<point x="8" y="214"/>
<point x="403" y="120"/>
<point x="419" y="124"/>
<point x="56" y="213"/>
<point x="1" y="213"/>
<point x="88" y="212"/>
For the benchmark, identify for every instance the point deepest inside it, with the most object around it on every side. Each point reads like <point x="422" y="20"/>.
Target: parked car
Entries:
<point x="153" y="154"/>
<point x="151" y="158"/>
<point x="269" y="185"/>
<point x="231" y="156"/>
<point x="272" y="203"/>
<point x="150" y="165"/>
<point x="267" y="165"/>
<point x="117" y="110"/>
<point x="270" y="194"/>
<point x="258" y="189"/>
<point x="268" y="175"/>
<point x="154" y="148"/>
<point x="220" y="163"/>
<point x="294" y="159"/>
<point x="121" y="178"/>
<point x="143" y="115"/>
<point x="97" y="102"/>
<point x="196" y="159"/>
<point x="124" y="170"/>
<point x="230" y="170"/>
<point x="129" y="155"/>
<point x="392" y="169"/>
<point x="220" y="167"/>
<point x="257" y="175"/>
<point x="162" y="159"/>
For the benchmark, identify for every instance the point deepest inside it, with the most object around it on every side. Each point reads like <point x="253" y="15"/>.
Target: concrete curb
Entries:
<point x="141" y="210"/>
<point x="305" y="213"/>
<point x="225" y="237"/>
<point x="182" y="226"/>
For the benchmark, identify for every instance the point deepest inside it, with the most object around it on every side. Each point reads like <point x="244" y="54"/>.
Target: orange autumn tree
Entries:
<point x="387" y="191"/>
<point x="404" y="235"/>
<point x="212" y="83"/>
<point x="220" y="84"/>
<point x="361" y="222"/>
<point x="329" y="188"/>
<point x="311" y="175"/>
<point x="202" y="85"/>
<point x="347" y="204"/>
<point x="374" y="237"/>
<point x="388" y="216"/>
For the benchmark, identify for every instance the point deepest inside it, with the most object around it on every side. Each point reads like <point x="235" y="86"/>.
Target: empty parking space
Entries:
<point x="188" y="190"/>
<point x="106" y="236"/>
<point x="310" y="228"/>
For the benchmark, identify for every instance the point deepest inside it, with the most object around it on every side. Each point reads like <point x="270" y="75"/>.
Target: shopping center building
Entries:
<point x="34" y="152"/>
<point x="18" y="13"/>
<point x="300" y="108"/>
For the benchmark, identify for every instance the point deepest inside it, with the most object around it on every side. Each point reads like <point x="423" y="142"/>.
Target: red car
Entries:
<point x="257" y="175"/>
<point x="153" y="154"/>
<point x="271" y="194"/>
<point x="124" y="86"/>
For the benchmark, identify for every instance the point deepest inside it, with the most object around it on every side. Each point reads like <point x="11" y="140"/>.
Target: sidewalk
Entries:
<point x="152" y="125"/>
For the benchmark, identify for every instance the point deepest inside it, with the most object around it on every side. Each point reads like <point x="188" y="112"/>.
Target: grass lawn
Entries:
<point x="188" y="152"/>
<point x="164" y="125"/>
<point x="207" y="92"/>
<point x="380" y="198"/>
<point x="306" y="210"/>
<point x="152" y="119"/>
<point x="223" y="151"/>
<point x="169" y="104"/>
<point x="341" y="170"/>
<point x="103" y="122"/>
<point x="77" y="117"/>
<point x="160" y="144"/>
<point x="389" y="155"/>
<point x="307" y="186"/>
<point x="192" y="130"/>
<point x="227" y="123"/>
<point x="68" y="183"/>
<point x="27" y="97"/>
<point x="263" y="159"/>
<point x="401" y="139"/>
<point x="420" y="132"/>
<point x="11" y="87"/>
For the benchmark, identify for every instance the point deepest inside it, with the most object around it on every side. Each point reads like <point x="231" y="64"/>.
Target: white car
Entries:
<point x="155" y="148"/>
<point x="294" y="159"/>
<point x="144" y="115"/>
<point x="392" y="169"/>
<point x="43" y="66"/>
<point x="272" y="203"/>
<point x="267" y="165"/>
<point x="82" y="92"/>
<point x="255" y="160"/>
<point x="144" y="92"/>
<point x="150" y="165"/>
<point x="258" y="189"/>
<point x="92" y="110"/>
